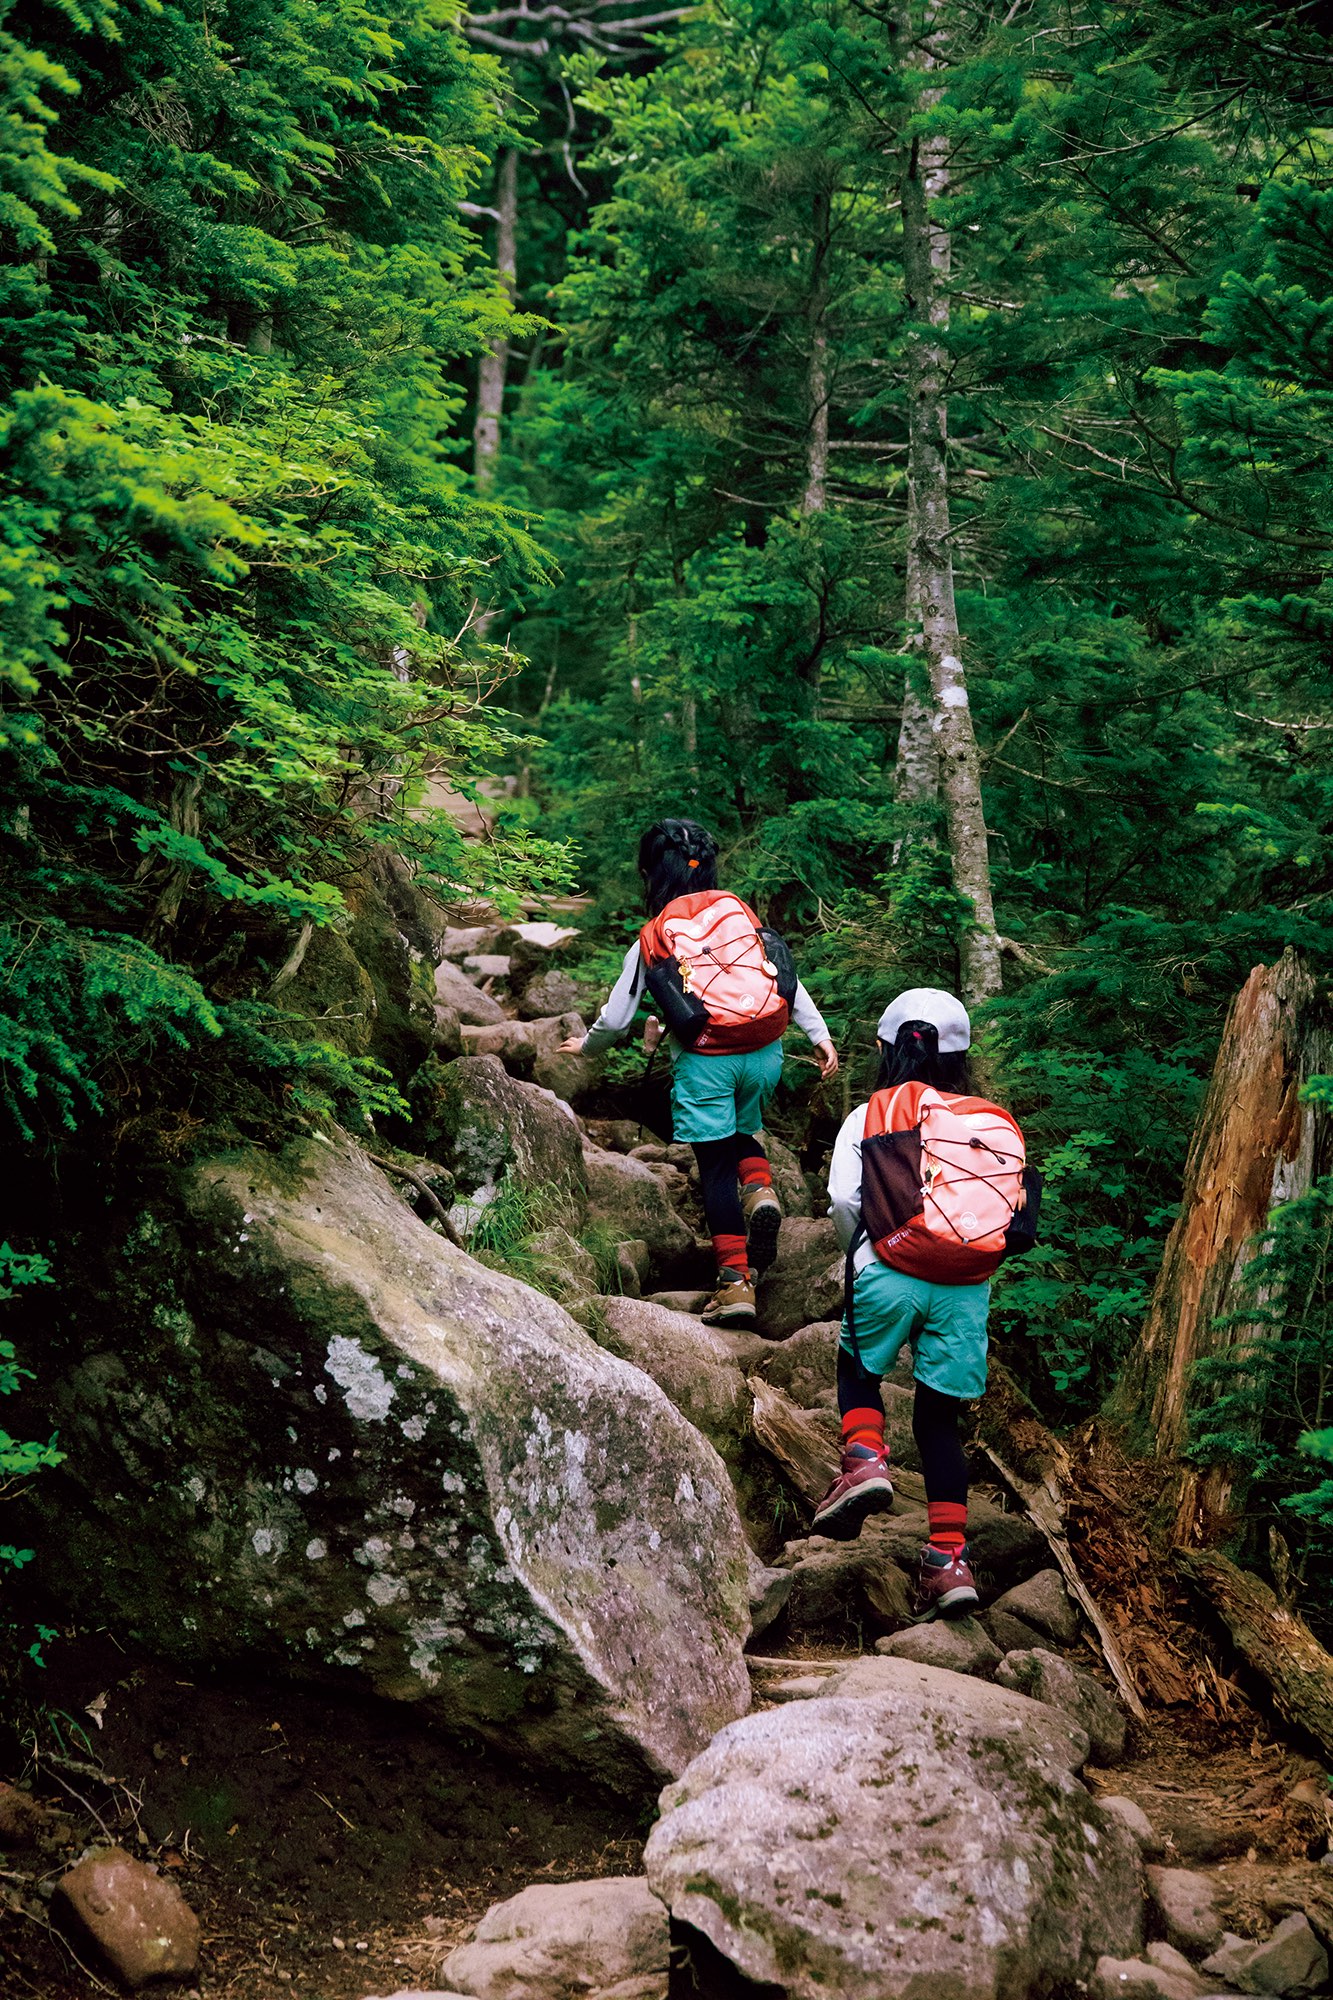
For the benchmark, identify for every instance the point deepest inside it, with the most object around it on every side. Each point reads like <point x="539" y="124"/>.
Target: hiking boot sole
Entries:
<point x="730" y="1316"/>
<point x="843" y="1522"/>
<point x="762" y="1240"/>
<point x="954" y="1603"/>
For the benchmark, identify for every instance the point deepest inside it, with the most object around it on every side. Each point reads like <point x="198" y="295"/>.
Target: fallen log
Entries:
<point x="804" y="1451"/>
<point x="1274" y="1643"/>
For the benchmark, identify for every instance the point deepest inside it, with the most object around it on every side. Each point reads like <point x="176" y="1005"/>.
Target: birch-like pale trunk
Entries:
<point x="814" y="497"/>
<point x="926" y="264"/>
<point x="916" y="776"/>
<point x="493" y="372"/>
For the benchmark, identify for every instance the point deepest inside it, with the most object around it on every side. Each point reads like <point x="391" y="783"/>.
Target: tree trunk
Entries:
<point x="1274" y="1643"/>
<point x="926" y="263"/>
<point x="814" y="498"/>
<point x="494" y="370"/>
<point x="1255" y="1144"/>
<point x="916" y="778"/>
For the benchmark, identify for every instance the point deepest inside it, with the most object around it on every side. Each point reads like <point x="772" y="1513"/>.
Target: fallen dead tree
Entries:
<point x="1274" y="1642"/>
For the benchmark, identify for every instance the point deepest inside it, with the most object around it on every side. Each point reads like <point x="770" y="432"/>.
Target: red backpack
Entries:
<point x="941" y="1195"/>
<point x="723" y="981"/>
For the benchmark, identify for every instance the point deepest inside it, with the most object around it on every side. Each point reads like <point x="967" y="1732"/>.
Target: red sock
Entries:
<point x="863" y="1427"/>
<point x="731" y="1256"/>
<point x="948" y="1524"/>
<point x="754" y="1171"/>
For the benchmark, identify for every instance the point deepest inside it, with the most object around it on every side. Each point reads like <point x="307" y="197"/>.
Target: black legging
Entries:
<point x="934" y="1426"/>
<point x="719" y="1161"/>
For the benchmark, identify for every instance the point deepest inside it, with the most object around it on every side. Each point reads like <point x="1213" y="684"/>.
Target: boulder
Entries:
<point x="562" y="1940"/>
<point x="1139" y="1979"/>
<point x="788" y="1180"/>
<point x="519" y="1044"/>
<point x="632" y="1266"/>
<point x="486" y="1127"/>
<point x="804" y="1365"/>
<point x="769" y="1591"/>
<point x="1291" y="1961"/>
<point x="805" y="1282"/>
<point x="343" y="1452"/>
<point x="702" y="1370"/>
<point x="463" y="942"/>
<point x="1044" y="1603"/>
<point x="1135" y="1822"/>
<point x="1186" y="1903"/>
<point x="1046" y="1677"/>
<point x="839" y="1588"/>
<point x="956" y="1643"/>
<point x="553" y="992"/>
<point x="487" y="967"/>
<point x="681" y="1302"/>
<point x="453" y="989"/>
<point x="552" y="1260"/>
<point x="614" y="1135"/>
<point x="923" y="1838"/>
<point x="625" y="1196"/>
<point x="573" y="1077"/>
<point x="447" y="1035"/>
<point x="138" y="1922"/>
<point x="1011" y="1635"/>
<point x="1175" y="1965"/>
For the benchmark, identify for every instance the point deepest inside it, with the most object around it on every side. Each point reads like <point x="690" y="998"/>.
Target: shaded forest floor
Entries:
<point x="331" y="1850"/>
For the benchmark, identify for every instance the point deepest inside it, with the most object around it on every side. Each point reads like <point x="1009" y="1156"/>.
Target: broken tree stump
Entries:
<point x="1255" y="1144"/>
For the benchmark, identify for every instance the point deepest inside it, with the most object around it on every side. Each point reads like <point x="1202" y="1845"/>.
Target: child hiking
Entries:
<point x="726" y="987"/>
<point x="929" y="1191"/>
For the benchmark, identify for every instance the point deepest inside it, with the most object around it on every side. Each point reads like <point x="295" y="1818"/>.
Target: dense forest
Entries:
<point x="436" y="444"/>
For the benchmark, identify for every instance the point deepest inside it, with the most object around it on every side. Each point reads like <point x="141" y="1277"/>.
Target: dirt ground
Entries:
<point x="330" y="1851"/>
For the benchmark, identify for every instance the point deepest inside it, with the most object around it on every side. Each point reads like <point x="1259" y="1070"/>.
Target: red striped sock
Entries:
<point x="731" y="1256"/>
<point x="863" y="1427"/>
<point x="754" y="1171"/>
<point x="948" y="1524"/>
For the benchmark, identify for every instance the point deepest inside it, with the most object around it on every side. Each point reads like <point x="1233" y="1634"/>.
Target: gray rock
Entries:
<point x="1139" y="1979"/>
<point x="887" y="1845"/>
<point x="1187" y="1905"/>
<point x="455" y="990"/>
<point x="613" y="1135"/>
<point x="788" y="1180"/>
<point x="1011" y="1634"/>
<point x="346" y="1453"/>
<point x="559" y="1266"/>
<point x="1043" y="1602"/>
<point x="553" y="992"/>
<point x="485" y="1127"/>
<point x="958" y="1644"/>
<point x="138" y="1920"/>
<point x="1291" y="1961"/>
<point x="1135" y="1821"/>
<point x="1046" y="1677"/>
<point x="465" y="941"/>
<point x="572" y="1077"/>
<point x="560" y="1941"/>
<point x="806" y="1280"/>
<point x="1168" y="1959"/>
<point x="800" y="1687"/>
<point x="486" y="966"/>
<point x="702" y="1369"/>
<point x="681" y="1302"/>
<point x="625" y="1196"/>
<point x="769" y="1591"/>
<point x="627" y="1280"/>
<point x="804" y="1365"/>
<point x="1043" y="1733"/>
<point x="519" y="1044"/>
<point x="447" y="1033"/>
<point x="1231" y="1959"/>
<point x="839" y="1588"/>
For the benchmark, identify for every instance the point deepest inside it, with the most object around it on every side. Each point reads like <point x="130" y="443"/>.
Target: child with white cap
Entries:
<point x="929" y="1191"/>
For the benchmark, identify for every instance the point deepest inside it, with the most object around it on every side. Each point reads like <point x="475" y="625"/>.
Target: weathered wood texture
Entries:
<point x="804" y="1451"/>
<point x="1255" y="1145"/>
<point x="1273" y="1642"/>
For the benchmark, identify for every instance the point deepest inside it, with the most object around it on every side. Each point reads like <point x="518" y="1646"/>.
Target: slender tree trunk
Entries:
<point x="1255" y="1144"/>
<point x="494" y="370"/>
<point x="916" y="778"/>
<point x="926" y="264"/>
<point x="814" y="498"/>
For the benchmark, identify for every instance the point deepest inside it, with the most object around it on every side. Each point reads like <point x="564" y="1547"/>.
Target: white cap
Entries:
<point x="928" y="1003"/>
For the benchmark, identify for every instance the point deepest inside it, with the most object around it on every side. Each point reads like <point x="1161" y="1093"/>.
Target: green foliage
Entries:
<point x="234" y="553"/>
<point x="20" y="1458"/>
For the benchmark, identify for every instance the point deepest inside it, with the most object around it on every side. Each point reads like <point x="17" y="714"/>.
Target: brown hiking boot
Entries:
<point x="945" y="1583"/>
<point x="763" y="1219"/>
<point x="863" y="1487"/>
<point x="732" y="1304"/>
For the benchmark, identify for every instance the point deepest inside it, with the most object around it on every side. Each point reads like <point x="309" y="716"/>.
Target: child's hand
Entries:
<point x="652" y="1034"/>
<point x="571" y="1046"/>
<point x="828" y="1060"/>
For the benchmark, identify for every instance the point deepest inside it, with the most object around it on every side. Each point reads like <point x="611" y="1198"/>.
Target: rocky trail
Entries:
<point x="447" y="1538"/>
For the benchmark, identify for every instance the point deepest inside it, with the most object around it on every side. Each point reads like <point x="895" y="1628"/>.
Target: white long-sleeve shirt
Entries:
<point x="844" y="1185"/>
<point x="623" y="1004"/>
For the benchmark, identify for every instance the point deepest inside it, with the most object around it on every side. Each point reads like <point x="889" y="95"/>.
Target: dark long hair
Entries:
<point x="676" y="857"/>
<point x="914" y="1057"/>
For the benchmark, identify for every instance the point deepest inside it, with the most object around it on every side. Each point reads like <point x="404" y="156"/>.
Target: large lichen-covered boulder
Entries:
<point x="927" y="1836"/>
<point x="455" y="990"/>
<point x="702" y="1369"/>
<point x="308" y="1437"/>
<point x="486" y="1126"/>
<point x="626" y="1196"/>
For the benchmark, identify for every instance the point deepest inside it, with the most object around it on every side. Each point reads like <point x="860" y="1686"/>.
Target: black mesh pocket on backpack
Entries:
<point x="778" y="953"/>
<point x="683" y="1014"/>
<point x="1021" y="1235"/>
<point x="890" y="1181"/>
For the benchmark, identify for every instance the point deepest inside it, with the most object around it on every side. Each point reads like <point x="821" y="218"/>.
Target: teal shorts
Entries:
<point x="714" y="1096"/>
<point x="946" y="1325"/>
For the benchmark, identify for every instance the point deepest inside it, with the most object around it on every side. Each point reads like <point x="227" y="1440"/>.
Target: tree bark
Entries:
<point x="916" y="778"/>
<point x="814" y="498"/>
<point x="927" y="255"/>
<point x="493" y="373"/>
<point x="1255" y="1144"/>
<point x="1273" y="1642"/>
